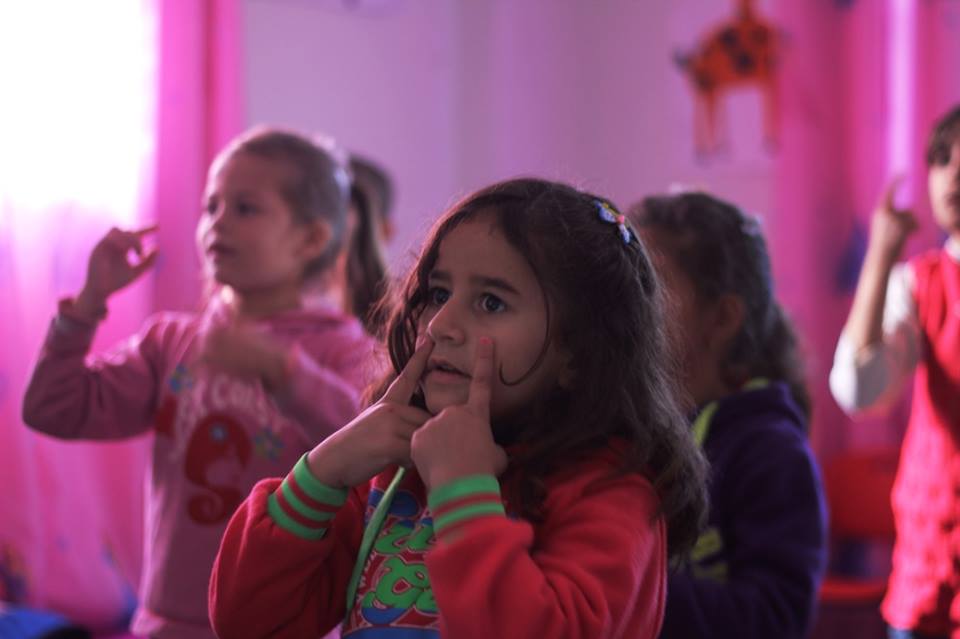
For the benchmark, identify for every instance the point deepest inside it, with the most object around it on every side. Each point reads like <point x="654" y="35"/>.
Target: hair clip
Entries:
<point x="751" y="225"/>
<point x="613" y="216"/>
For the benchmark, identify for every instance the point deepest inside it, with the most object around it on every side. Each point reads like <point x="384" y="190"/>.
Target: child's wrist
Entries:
<point x="279" y="369"/>
<point x="882" y="255"/>
<point x="323" y="468"/>
<point x="90" y="306"/>
<point x="446" y="476"/>
<point x="462" y="500"/>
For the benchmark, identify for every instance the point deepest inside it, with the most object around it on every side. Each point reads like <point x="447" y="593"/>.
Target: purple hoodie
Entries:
<point x="757" y="567"/>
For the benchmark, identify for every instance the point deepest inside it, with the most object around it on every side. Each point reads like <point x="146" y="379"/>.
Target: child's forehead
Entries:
<point x="478" y="248"/>
<point x="243" y="170"/>
<point x="475" y="237"/>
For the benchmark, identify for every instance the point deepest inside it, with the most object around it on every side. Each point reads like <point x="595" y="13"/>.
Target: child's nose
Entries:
<point x="446" y="325"/>
<point x="219" y="217"/>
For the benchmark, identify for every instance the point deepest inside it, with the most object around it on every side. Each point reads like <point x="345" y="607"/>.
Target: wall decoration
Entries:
<point x="741" y="52"/>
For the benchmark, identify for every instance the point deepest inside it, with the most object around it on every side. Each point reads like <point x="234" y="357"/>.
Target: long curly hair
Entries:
<point x="605" y="309"/>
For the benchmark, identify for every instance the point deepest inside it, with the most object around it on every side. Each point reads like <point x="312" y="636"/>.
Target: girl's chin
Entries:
<point x="436" y="404"/>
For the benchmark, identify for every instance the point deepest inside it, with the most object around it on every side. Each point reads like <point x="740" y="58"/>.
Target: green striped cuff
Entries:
<point x="464" y="499"/>
<point x="314" y="488"/>
<point x="463" y="487"/>
<point x="286" y="522"/>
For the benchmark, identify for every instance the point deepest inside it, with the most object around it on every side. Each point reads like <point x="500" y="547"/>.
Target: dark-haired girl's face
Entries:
<point x="689" y="321"/>
<point x="480" y="286"/>
<point x="943" y="182"/>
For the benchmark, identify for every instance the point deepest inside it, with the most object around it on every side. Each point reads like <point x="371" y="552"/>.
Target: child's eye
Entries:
<point x="492" y="304"/>
<point x="437" y="296"/>
<point x="245" y="208"/>
<point x="210" y="206"/>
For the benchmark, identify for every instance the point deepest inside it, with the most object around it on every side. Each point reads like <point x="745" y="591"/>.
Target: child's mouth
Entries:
<point x="219" y="250"/>
<point x="444" y="372"/>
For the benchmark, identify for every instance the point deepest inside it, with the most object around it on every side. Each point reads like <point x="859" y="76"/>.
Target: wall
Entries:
<point x="453" y="95"/>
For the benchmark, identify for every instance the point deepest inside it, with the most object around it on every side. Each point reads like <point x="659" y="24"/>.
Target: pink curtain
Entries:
<point x="123" y="106"/>
<point x="862" y="82"/>
<point x="200" y="109"/>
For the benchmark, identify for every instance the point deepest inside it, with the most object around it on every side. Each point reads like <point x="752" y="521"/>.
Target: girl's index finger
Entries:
<point x="478" y="400"/>
<point x="146" y="230"/>
<point x="890" y="193"/>
<point x="404" y="386"/>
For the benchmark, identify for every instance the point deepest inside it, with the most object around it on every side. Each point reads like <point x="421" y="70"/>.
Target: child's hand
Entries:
<point x="379" y="436"/>
<point x="890" y="226"/>
<point x="238" y="349"/>
<point x="458" y="442"/>
<point x="109" y="268"/>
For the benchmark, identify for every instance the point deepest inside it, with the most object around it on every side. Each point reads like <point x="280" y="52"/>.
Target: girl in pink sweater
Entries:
<point x="233" y="394"/>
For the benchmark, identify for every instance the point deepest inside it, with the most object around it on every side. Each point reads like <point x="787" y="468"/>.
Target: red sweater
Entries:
<point x="459" y="566"/>
<point x="924" y="590"/>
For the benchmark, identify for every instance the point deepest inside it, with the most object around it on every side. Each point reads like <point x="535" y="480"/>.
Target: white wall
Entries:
<point x="453" y="94"/>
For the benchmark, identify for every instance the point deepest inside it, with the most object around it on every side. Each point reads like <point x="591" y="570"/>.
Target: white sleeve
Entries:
<point x="873" y="377"/>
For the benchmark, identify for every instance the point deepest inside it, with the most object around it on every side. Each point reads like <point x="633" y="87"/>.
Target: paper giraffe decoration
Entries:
<point x="740" y="52"/>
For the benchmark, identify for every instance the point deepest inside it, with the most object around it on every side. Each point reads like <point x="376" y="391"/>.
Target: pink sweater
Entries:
<point x="215" y="436"/>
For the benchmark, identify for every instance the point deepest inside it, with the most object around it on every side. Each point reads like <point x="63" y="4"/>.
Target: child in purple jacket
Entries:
<point x="756" y="569"/>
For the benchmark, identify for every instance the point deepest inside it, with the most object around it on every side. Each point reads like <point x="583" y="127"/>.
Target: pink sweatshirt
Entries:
<point x="215" y="436"/>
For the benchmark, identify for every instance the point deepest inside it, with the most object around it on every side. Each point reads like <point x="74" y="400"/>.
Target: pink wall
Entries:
<point x="453" y="95"/>
<point x="383" y="81"/>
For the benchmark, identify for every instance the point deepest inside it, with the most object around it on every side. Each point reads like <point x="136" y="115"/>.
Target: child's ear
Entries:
<point x="315" y="239"/>
<point x="386" y="230"/>
<point x="729" y="314"/>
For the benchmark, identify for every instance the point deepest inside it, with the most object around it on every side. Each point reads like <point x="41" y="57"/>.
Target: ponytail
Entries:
<point x="366" y="268"/>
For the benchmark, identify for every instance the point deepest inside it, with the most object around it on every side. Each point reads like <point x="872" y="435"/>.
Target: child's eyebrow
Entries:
<point x="494" y="282"/>
<point x="480" y="281"/>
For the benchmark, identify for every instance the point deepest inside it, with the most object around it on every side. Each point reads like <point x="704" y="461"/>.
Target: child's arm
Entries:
<point x="317" y="397"/>
<point x="595" y="568"/>
<point x="889" y="229"/>
<point x="286" y="559"/>
<point x="112" y="395"/>
<point x="771" y="540"/>
<point x="284" y="564"/>
<point x="878" y="347"/>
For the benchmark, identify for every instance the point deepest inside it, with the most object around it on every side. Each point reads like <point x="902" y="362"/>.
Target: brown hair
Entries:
<point x="945" y="133"/>
<point x="723" y="251"/>
<point x="371" y="194"/>
<point x="316" y="187"/>
<point x="605" y="309"/>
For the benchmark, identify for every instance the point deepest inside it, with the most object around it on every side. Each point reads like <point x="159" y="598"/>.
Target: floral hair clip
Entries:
<point x="613" y="216"/>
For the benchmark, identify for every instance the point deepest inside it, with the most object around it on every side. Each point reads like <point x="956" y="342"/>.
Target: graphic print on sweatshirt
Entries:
<point x="394" y="597"/>
<point x="216" y="427"/>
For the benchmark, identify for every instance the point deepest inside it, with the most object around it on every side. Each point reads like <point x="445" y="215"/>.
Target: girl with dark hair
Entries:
<point x="756" y="570"/>
<point x="904" y="325"/>
<point x="524" y="471"/>
<point x="232" y="394"/>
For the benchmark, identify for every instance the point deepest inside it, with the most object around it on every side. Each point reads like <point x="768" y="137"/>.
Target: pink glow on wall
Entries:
<point x="77" y="139"/>
<point x="902" y="21"/>
<point x="76" y="120"/>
